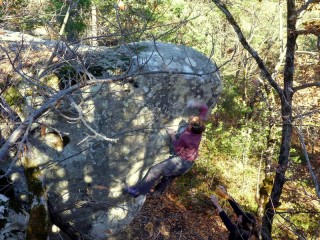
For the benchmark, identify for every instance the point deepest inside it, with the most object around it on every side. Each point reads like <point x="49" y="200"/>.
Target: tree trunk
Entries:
<point x="94" y="28"/>
<point x="286" y="113"/>
<point x="65" y="20"/>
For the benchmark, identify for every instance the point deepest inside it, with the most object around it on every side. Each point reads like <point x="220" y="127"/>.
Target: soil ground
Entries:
<point x="165" y="217"/>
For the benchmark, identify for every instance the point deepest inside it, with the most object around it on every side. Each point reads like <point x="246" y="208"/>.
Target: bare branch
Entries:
<point x="309" y="31"/>
<point x="247" y="46"/>
<point x="307" y="85"/>
<point x="96" y="134"/>
<point x="305" y="152"/>
<point x="45" y="68"/>
<point x="7" y="112"/>
<point x="24" y="76"/>
<point x="306" y="5"/>
<point x="14" y="137"/>
<point x="308" y="52"/>
<point x="306" y="114"/>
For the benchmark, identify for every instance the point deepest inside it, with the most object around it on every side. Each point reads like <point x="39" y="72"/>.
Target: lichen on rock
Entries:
<point x="84" y="178"/>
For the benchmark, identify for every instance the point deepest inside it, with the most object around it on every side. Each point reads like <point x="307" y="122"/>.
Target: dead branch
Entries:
<point x="15" y="136"/>
<point x="96" y="134"/>
<point x="307" y="85"/>
<point x="305" y="152"/>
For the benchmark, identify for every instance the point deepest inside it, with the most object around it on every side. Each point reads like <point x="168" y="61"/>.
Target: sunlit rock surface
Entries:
<point x="121" y="132"/>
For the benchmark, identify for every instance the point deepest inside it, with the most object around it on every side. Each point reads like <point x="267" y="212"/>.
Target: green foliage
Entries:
<point x="140" y="21"/>
<point x="304" y="223"/>
<point x="233" y="134"/>
<point x="76" y="23"/>
<point x="307" y="222"/>
<point x="308" y="43"/>
<point x="296" y="156"/>
<point x="242" y="142"/>
<point x="13" y="96"/>
<point x="177" y="8"/>
<point x="232" y="105"/>
<point x="30" y="23"/>
<point x="12" y="7"/>
<point x="52" y="81"/>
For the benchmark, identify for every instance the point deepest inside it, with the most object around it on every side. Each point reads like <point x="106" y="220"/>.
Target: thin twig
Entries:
<point x="305" y="152"/>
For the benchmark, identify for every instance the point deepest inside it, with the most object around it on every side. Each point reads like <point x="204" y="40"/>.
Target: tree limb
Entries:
<point x="306" y="5"/>
<point x="307" y="85"/>
<point x="305" y="153"/>
<point x="96" y="134"/>
<point x="38" y="113"/>
<point x="247" y="46"/>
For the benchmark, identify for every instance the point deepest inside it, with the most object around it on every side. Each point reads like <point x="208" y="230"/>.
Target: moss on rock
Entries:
<point x="38" y="223"/>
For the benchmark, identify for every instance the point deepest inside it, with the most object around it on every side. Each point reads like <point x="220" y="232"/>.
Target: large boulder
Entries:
<point x="119" y="134"/>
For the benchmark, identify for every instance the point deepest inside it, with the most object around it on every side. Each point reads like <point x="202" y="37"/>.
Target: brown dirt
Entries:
<point x="164" y="217"/>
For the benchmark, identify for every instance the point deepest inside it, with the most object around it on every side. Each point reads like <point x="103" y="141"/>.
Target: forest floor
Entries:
<point x="165" y="217"/>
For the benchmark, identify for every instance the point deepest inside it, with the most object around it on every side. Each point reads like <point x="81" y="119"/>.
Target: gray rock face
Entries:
<point x="121" y="132"/>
